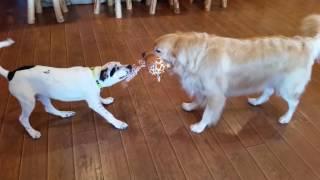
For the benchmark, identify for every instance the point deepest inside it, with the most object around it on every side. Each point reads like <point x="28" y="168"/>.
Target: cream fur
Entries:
<point x="212" y="68"/>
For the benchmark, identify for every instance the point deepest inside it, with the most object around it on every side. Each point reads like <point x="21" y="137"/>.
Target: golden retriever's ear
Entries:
<point x="176" y="47"/>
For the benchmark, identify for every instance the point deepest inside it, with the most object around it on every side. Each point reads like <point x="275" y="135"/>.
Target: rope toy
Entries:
<point x="156" y="68"/>
<point x="135" y="70"/>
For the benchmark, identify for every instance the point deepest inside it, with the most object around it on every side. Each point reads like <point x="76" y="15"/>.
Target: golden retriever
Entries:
<point x="212" y="68"/>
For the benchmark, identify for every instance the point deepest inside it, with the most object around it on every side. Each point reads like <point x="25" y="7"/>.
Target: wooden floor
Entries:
<point x="248" y="143"/>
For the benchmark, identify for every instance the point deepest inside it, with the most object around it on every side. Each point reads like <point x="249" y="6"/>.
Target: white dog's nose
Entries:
<point x="129" y="67"/>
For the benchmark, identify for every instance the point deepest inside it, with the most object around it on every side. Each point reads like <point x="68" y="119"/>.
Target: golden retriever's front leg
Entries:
<point x="211" y="113"/>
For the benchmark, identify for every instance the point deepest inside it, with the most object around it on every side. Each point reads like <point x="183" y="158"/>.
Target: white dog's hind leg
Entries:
<point x="52" y="110"/>
<point x="27" y="105"/>
<point x="107" y="101"/>
<point x="292" y="104"/>
<point x="211" y="113"/>
<point x="262" y="99"/>
<point x="96" y="105"/>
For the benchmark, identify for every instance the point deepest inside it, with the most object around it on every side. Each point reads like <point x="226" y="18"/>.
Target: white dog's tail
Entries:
<point x="311" y="27"/>
<point x="4" y="72"/>
<point x="6" y="43"/>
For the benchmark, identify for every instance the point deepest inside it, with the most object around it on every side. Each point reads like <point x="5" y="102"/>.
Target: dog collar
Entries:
<point x="94" y="76"/>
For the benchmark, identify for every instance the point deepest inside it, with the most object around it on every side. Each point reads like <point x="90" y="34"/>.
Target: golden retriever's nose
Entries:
<point x="143" y="54"/>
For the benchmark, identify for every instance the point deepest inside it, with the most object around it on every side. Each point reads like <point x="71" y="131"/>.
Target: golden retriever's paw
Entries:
<point x="188" y="106"/>
<point x="284" y="120"/>
<point x="197" y="127"/>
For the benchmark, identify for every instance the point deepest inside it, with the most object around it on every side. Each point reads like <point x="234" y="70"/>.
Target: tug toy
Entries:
<point x="135" y="70"/>
<point x="156" y="66"/>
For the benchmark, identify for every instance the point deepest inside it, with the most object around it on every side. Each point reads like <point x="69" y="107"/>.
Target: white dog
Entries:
<point x="66" y="84"/>
<point x="212" y="68"/>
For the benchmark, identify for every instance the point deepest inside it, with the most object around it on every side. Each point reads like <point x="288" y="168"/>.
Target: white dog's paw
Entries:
<point x="107" y="100"/>
<point x="284" y="120"/>
<point x="187" y="106"/>
<point x="197" y="127"/>
<point x="120" y="125"/>
<point x="67" y="114"/>
<point x="253" y="101"/>
<point x="34" y="133"/>
<point x="10" y="41"/>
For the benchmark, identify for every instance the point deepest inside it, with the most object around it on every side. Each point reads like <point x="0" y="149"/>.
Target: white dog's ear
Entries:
<point x="104" y="74"/>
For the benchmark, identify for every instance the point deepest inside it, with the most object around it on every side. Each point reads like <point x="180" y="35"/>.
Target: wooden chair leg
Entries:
<point x="224" y="3"/>
<point x="31" y="15"/>
<point x="207" y="5"/>
<point x="38" y="6"/>
<point x="129" y="4"/>
<point x="57" y="11"/>
<point x="64" y="6"/>
<point x="153" y="5"/>
<point x="118" y="8"/>
<point x="96" y="7"/>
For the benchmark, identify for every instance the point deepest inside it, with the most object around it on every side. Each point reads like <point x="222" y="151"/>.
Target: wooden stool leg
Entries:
<point x="96" y="7"/>
<point x="207" y="5"/>
<point x="224" y="3"/>
<point x="118" y="8"/>
<point x="31" y="15"/>
<point x="38" y="6"/>
<point x="148" y="2"/>
<point x="176" y="6"/>
<point x="57" y="11"/>
<point x="171" y="2"/>
<point x="110" y="3"/>
<point x="153" y="5"/>
<point x="129" y="4"/>
<point x="64" y="6"/>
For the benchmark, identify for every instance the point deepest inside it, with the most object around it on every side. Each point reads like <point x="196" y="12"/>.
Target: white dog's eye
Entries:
<point x="158" y="51"/>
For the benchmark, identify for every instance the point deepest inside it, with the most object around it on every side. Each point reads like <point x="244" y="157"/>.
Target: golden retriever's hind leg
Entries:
<point x="292" y="104"/>
<point x="262" y="99"/>
<point x="189" y="106"/>
<point x="211" y="114"/>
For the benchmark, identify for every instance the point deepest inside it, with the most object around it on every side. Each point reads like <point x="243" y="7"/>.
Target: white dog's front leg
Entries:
<point x="107" y="101"/>
<point x="211" y="114"/>
<point x="98" y="107"/>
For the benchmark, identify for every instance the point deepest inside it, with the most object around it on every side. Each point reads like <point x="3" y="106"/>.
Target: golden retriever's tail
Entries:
<point x="311" y="25"/>
<point x="311" y="28"/>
